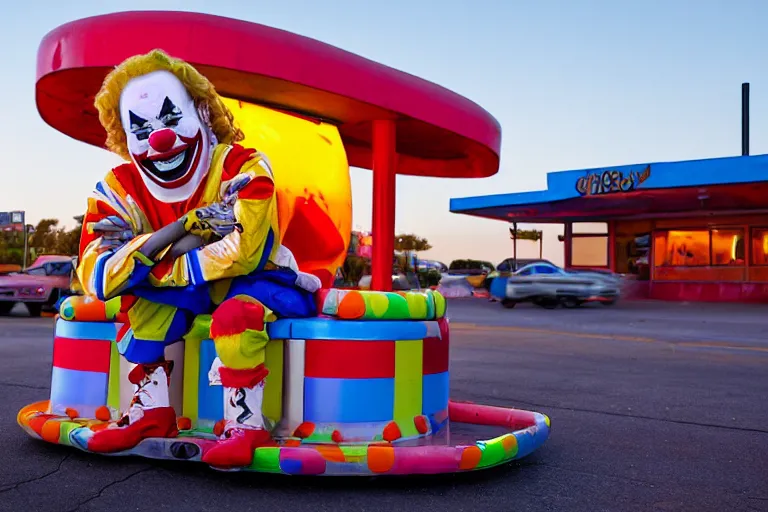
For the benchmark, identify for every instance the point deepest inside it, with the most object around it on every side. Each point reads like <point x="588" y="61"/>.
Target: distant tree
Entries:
<point x="68" y="242"/>
<point x="353" y="269"/>
<point x="45" y="235"/>
<point x="408" y="243"/>
<point x="411" y="243"/>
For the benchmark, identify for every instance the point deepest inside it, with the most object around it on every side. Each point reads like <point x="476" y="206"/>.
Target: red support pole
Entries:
<point x="567" y="245"/>
<point x="612" y="245"/>
<point x="384" y="166"/>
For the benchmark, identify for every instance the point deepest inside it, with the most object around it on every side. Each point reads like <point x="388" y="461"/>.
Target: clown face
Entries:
<point x="168" y="141"/>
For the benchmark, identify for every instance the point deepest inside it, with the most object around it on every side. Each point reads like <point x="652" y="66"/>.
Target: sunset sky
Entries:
<point x="574" y="84"/>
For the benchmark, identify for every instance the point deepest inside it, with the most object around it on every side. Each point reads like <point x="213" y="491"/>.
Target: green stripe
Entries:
<point x="64" y="429"/>
<point x="191" y="376"/>
<point x="113" y="388"/>
<point x="266" y="459"/>
<point x="494" y="452"/>
<point x="408" y="384"/>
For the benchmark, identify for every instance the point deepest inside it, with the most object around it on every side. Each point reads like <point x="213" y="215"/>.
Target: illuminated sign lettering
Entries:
<point x="609" y="182"/>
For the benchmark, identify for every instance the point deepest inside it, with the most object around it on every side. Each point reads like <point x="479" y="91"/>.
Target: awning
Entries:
<point x="718" y="185"/>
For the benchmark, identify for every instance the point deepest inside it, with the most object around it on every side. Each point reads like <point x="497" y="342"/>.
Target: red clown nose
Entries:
<point x="162" y="140"/>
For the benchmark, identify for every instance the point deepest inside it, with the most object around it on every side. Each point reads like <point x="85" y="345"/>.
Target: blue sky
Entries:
<point x="574" y="84"/>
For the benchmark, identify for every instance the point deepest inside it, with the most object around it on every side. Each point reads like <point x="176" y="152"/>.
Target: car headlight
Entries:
<point x="32" y="291"/>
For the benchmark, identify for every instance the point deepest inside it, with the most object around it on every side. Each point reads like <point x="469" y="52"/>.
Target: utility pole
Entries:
<point x="745" y="119"/>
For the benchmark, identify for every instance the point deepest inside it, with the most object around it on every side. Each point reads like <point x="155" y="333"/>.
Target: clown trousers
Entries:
<point x="161" y="317"/>
<point x="234" y="313"/>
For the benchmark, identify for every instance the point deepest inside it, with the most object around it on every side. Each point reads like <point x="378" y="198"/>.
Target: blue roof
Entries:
<point x="578" y="188"/>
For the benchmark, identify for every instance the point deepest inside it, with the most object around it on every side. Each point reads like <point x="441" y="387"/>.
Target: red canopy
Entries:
<point x="438" y="132"/>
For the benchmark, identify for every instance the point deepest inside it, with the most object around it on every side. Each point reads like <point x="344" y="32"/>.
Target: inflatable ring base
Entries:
<point x="449" y="451"/>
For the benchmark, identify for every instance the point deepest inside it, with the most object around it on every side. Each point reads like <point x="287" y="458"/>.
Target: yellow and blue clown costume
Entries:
<point x="227" y="284"/>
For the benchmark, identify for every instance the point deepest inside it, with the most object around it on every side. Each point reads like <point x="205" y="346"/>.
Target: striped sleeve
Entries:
<point x="109" y="265"/>
<point x="241" y="253"/>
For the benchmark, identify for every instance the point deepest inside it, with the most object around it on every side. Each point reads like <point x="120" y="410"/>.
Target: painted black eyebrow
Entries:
<point x="168" y="108"/>
<point x="136" y="121"/>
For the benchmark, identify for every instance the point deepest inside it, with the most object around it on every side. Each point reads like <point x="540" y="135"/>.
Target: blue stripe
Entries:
<point x="79" y="390"/>
<point x="279" y="330"/>
<point x="100" y="188"/>
<point x="86" y="330"/>
<point x="210" y="399"/>
<point x="435" y="393"/>
<point x="528" y="442"/>
<point x="138" y="275"/>
<point x="348" y="400"/>
<point x="196" y="273"/>
<point x="98" y="273"/>
<point x="374" y="330"/>
<point x="267" y="249"/>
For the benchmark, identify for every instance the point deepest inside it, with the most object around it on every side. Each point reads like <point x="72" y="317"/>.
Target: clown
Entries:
<point x="186" y="233"/>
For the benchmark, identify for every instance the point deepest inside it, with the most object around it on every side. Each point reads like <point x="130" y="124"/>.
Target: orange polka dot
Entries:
<point x="470" y="457"/>
<point x="330" y="452"/>
<point x="36" y="423"/>
<point x="72" y="413"/>
<point x="420" y="422"/>
<point x="103" y="414"/>
<point x="304" y="430"/>
<point x="292" y="443"/>
<point x="381" y="458"/>
<point x="352" y="306"/>
<point x="184" y="423"/>
<point x="391" y="432"/>
<point x="51" y="431"/>
<point x="218" y="428"/>
<point x="509" y="443"/>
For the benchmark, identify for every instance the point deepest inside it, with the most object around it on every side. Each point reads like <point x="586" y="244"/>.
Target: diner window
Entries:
<point x="681" y="248"/>
<point x="728" y="247"/>
<point x="760" y="246"/>
<point x="590" y="228"/>
<point x="589" y="251"/>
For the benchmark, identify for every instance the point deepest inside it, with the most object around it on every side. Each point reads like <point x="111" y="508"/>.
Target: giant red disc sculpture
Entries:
<point x="390" y="121"/>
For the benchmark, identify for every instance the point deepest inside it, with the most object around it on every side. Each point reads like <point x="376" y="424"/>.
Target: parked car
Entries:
<point x="548" y="285"/>
<point x="40" y="286"/>
<point x="508" y="267"/>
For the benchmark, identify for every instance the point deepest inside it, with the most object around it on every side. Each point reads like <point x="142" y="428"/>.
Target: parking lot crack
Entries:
<point x="37" y="478"/>
<point x="26" y="386"/>
<point x="101" y="491"/>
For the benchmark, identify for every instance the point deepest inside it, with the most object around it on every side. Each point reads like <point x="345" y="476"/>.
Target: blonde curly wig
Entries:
<point x="202" y="91"/>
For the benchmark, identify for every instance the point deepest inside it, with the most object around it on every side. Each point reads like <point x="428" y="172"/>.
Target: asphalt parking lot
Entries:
<point x="654" y="406"/>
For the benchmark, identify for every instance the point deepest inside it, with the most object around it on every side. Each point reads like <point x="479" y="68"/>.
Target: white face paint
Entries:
<point x="168" y="142"/>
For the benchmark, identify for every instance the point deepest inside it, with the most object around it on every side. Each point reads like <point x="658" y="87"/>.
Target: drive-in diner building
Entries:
<point x="692" y="230"/>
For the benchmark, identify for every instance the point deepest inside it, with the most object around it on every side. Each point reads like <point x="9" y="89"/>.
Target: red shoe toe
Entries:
<point x="157" y="422"/>
<point x="236" y="449"/>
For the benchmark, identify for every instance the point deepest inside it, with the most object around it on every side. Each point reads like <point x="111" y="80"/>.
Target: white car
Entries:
<point x="548" y="285"/>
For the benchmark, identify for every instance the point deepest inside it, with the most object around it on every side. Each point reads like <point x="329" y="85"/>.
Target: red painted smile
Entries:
<point x="173" y="168"/>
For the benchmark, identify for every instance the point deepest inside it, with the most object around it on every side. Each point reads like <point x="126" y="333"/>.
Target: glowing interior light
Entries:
<point x="765" y="245"/>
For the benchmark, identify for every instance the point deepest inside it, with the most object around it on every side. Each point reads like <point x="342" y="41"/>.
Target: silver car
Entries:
<point x="547" y="285"/>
